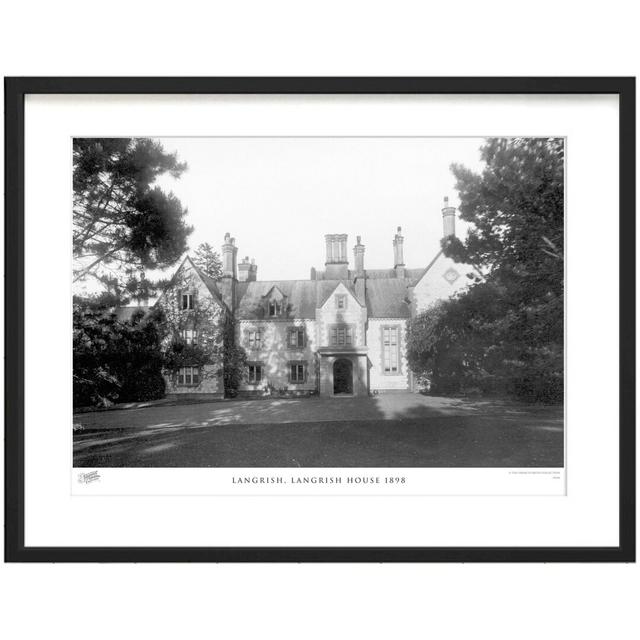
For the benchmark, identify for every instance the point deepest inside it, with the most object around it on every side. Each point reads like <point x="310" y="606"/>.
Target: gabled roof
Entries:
<point x="303" y="296"/>
<point x="325" y="289"/>
<point x="208" y="281"/>
<point x="388" y="298"/>
<point x="274" y="290"/>
<point x="462" y="265"/>
<point x="300" y="294"/>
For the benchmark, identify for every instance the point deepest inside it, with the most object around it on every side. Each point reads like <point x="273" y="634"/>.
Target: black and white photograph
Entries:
<point x="320" y="320"/>
<point x="318" y="302"/>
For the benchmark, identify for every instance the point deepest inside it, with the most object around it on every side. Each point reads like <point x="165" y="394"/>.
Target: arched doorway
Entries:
<point x="342" y="377"/>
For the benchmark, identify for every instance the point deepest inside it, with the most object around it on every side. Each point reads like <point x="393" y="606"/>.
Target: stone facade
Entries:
<point x="195" y="314"/>
<point x="274" y="352"/>
<point x="342" y="332"/>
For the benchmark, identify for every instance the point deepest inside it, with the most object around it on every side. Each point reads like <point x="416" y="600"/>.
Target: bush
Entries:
<point x="148" y="384"/>
<point x="115" y="361"/>
<point x="481" y="343"/>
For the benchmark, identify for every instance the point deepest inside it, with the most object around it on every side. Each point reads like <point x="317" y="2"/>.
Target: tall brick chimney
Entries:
<point x="448" y="219"/>
<point x="247" y="271"/>
<point x="358" y="258"/>
<point x="229" y="253"/>
<point x="227" y="284"/>
<point x="398" y="254"/>
<point x="337" y="263"/>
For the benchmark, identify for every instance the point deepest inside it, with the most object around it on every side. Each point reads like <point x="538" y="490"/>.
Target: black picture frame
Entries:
<point x="15" y="91"/>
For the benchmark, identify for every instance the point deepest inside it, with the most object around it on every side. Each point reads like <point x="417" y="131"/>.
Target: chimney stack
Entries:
<point x="337" y="263"/>
<point x="398" y="254"/>
<point x="229" y="253"/>
<point x="358" y="258"/>
<point x="448" y="219"/>
<point x="247" y="271"/>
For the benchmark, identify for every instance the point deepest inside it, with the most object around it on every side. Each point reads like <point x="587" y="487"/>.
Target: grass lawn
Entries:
<point x="501" y="439"/>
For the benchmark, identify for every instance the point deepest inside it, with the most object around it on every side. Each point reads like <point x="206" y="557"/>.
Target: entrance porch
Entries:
<point x="343" y="372"/>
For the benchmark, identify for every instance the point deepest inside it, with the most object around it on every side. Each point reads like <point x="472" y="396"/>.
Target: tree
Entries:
<point x="123" y="225"/>
<point x="208" y="260"/>
<point x="516" y="211"/>
<point x="504" y="334"/>
<point x="478" y="342"/>
<point x="115" y="361"/>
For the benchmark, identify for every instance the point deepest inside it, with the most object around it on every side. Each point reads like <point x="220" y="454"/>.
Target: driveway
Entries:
<point x="403" y="430"/>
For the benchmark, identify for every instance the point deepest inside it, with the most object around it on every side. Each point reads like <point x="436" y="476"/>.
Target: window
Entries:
<point x="188" y="376"/>
<point x="341" y="302"/>
<point x="254" y="338"/>
<point x="187" y="301"/>
<point x="275" y="307"/>
<point x="190" y="336"/>
<point x="341" y="336"/>
<point x="255" y="373"/>
<point x="297" y="372"/>
<point x="390" y="344"/>
<point x="296" y="337"/>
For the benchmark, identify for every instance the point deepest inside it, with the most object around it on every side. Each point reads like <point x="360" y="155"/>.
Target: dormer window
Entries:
<point x="275" y="308"/>
<point x="187" y="301"/>
<point x="275" y="303"/>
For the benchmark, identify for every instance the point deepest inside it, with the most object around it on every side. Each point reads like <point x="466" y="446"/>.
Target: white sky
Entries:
<point x="279" y="196"/>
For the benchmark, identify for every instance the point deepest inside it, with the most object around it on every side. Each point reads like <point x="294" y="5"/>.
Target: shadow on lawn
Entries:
<point x="395" y="430"/>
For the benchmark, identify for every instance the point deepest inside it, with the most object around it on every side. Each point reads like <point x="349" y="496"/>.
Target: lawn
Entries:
<point x="314" y="433"/>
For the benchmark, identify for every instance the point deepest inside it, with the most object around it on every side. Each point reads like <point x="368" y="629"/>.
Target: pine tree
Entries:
<point x="504" y="334"/>
<point x="208" y="260"/>
<point x="123" y="225"/>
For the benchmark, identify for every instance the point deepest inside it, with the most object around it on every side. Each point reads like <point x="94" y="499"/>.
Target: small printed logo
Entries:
<point x="86" y="478"/>
<point x="450" y="275"/>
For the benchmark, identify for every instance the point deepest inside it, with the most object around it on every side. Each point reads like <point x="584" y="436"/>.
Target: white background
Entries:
<point x="587" y="516"/>
<point x="331" y="38"/>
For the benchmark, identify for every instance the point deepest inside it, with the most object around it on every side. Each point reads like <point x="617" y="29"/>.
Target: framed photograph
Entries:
<point x="320" y="319"/>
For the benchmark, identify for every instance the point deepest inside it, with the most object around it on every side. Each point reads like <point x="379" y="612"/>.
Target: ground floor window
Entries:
<point x="297" y="372"/>
<point x="188" y="376"/>
<point x="390" y="349"/>
<point x="254" y="373"/>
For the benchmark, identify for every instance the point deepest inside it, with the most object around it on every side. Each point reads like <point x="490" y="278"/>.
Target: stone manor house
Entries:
<point x="341" y="332"/>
